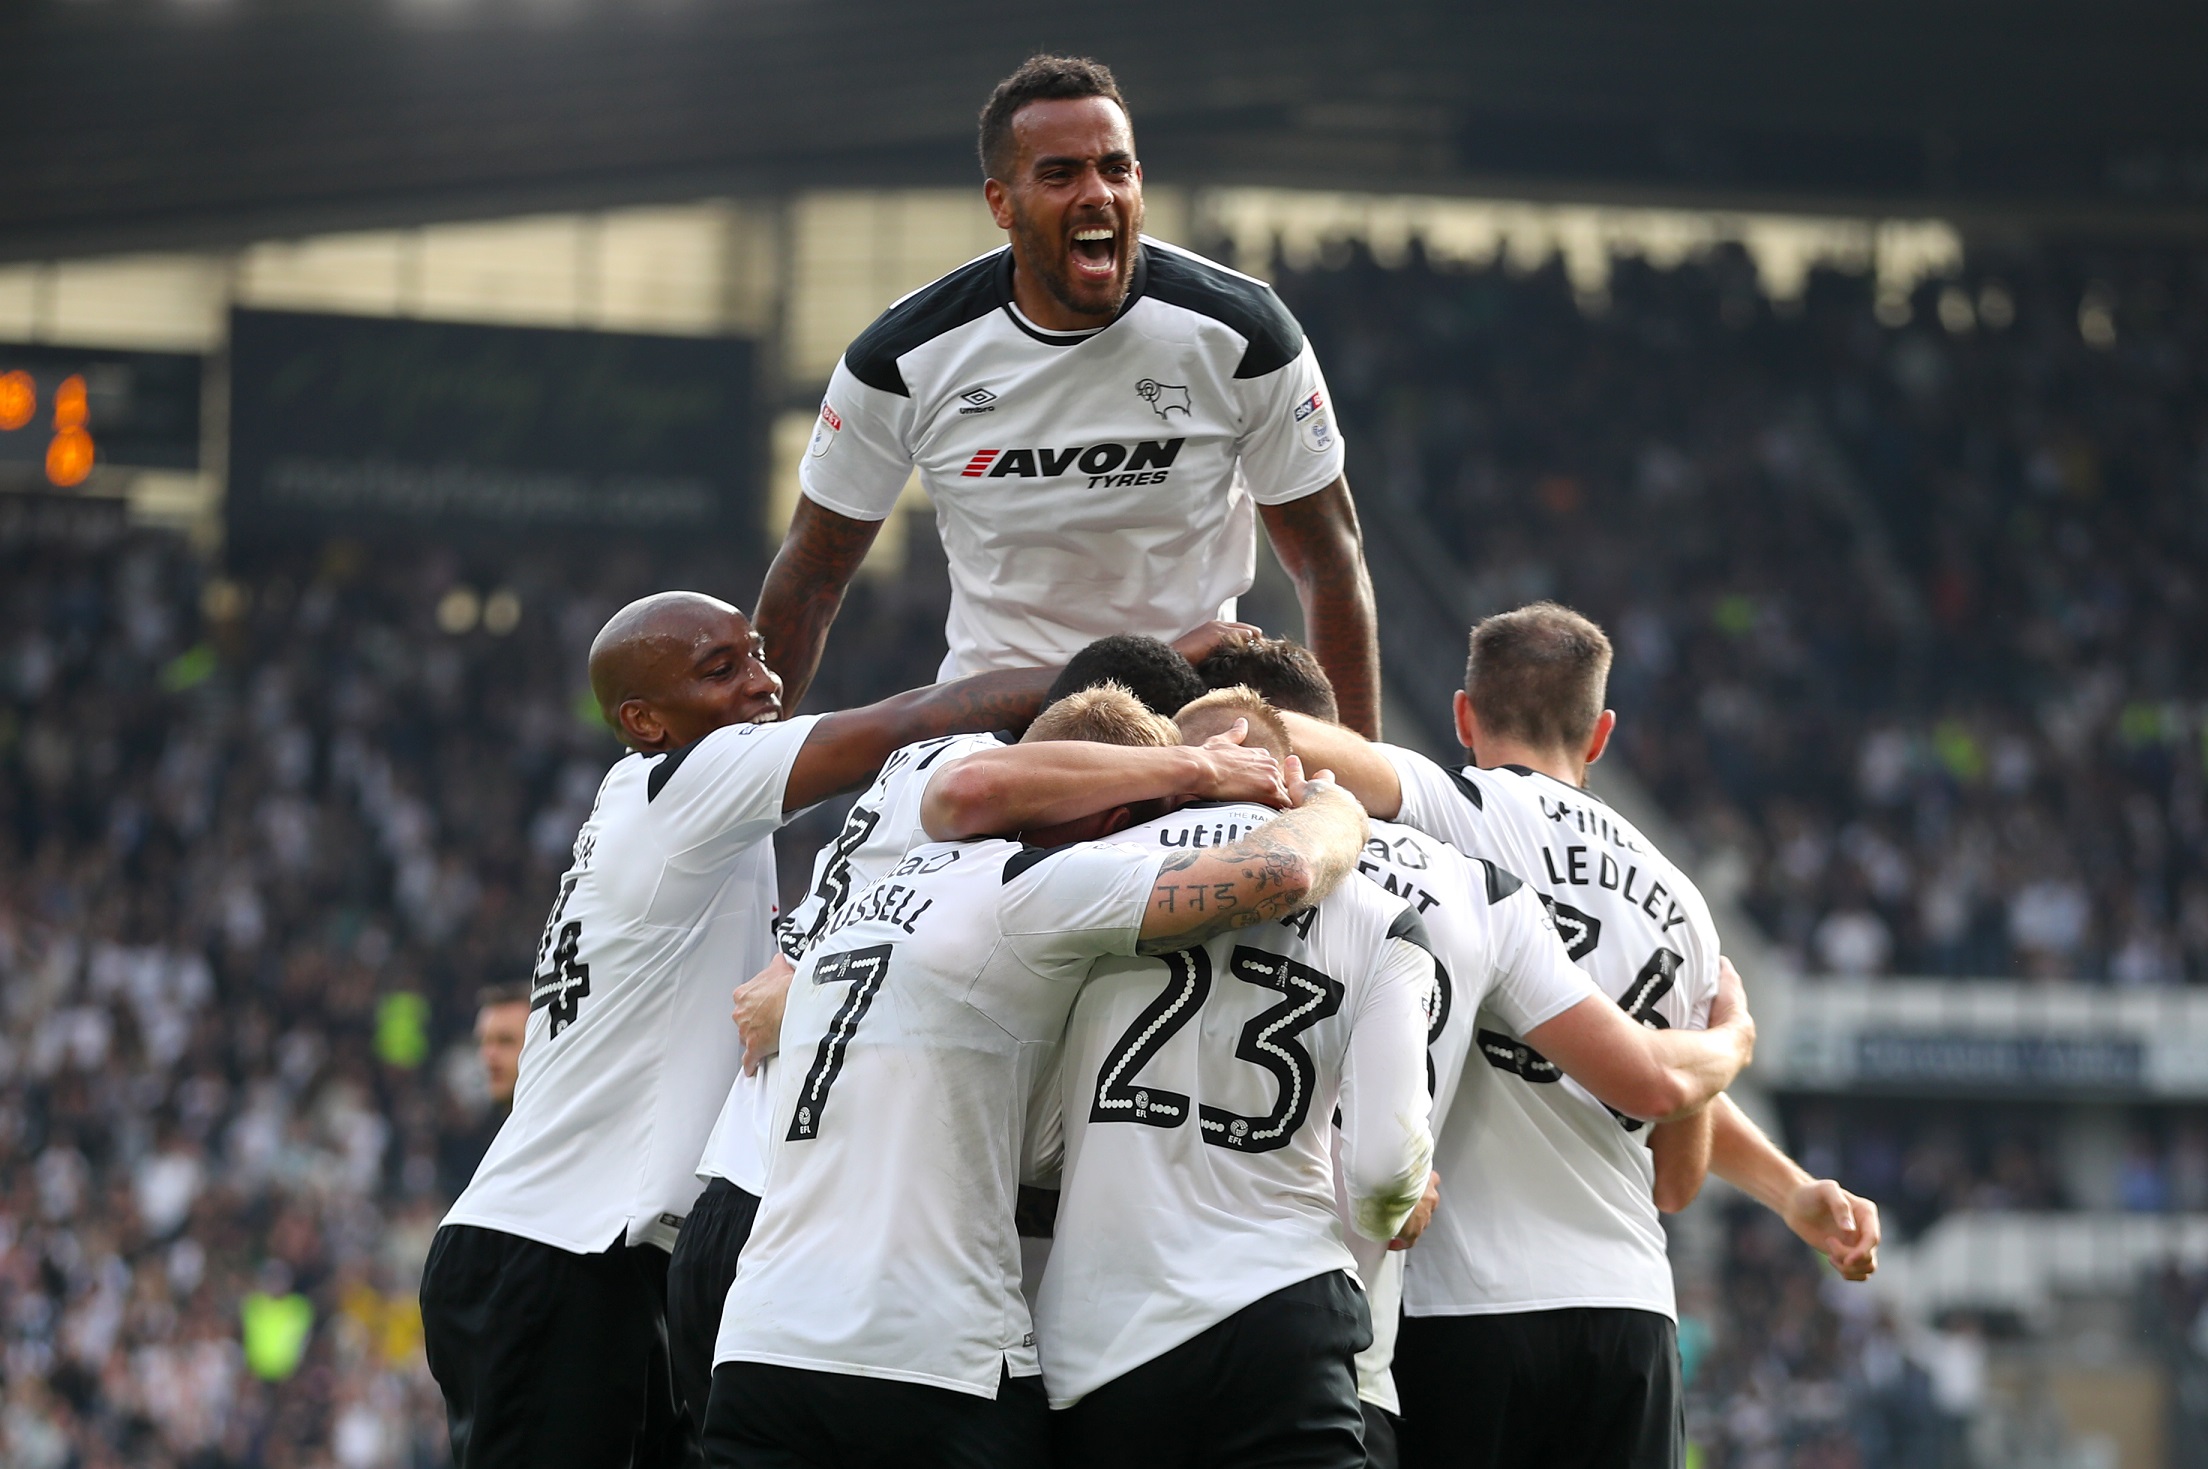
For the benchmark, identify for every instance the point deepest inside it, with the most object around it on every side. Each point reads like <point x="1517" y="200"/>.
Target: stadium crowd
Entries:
<point x="262" y="839"/>
<point x="1902" y="587"/>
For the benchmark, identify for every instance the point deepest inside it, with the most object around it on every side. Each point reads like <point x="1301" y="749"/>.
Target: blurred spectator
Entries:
<point x="501" y="1019"/>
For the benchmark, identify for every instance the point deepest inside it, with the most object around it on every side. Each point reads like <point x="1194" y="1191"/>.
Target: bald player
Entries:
<point x="544" y="1295"/>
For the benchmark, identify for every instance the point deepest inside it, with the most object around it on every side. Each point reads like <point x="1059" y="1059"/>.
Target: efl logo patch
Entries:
<point x="1314" y="425"/>
<point x="825" y="431"/>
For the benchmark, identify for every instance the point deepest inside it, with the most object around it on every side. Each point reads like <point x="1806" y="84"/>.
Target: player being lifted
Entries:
<point x="1093" y="414"/>
<point x="543" y="1296"/>
<point x="1194" y="1312"/>
<point x="876" y="1318"/>
<point x="1539" y="1319"/>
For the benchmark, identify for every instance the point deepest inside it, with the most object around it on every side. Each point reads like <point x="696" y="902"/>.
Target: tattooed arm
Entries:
<point x="1323" y="552"/>
<point x="846" y="749"/>
<point x="1289" y="863"/>
<point x="804" y="591"/>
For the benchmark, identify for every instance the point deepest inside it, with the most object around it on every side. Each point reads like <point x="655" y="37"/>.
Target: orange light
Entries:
<point x="18" y="399"/>
<point x="70" y="409"/>
<point x="69" y="457"/>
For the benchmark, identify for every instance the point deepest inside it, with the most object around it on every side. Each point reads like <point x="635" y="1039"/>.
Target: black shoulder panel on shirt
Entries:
<point x="967" y="293"/>
<point x="1410" y="928"/>
<point x="1250" y="307"/>
<point x="1027" y="857"/>
<point x="1468" y="790"/>
<point x="1500" y="883"/>
<point x="664" y="771"/>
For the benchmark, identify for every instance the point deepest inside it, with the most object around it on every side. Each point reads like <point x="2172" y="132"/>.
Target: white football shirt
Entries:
<point x="1196" y="1102"/>
<point x="670" y="895"/>
<point x="1084" y="483"/>
<point x="1547" y="1195"/>
<point x="1498" y="953"/>
<point x="881" y="826"/>
<point x="920" y="1030"/>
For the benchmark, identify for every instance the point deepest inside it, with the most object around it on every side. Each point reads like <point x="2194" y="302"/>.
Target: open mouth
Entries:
<point x="1095" y="253"/>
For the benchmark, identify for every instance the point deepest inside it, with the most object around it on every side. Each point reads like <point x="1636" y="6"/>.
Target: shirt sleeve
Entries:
<point x="1067" y="908"/>
<point x="860" y="455"/>
<point x="1433" y="800"/>
<point x="726" y="791"/>
<point x="1290" y="445"/>
<point x="1387" y="1136"/>
<point x="1535" y="978"/>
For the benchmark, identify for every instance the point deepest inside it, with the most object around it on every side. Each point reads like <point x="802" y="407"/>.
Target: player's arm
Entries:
<point x="1010" y="790"/>
<point x="1681" y="1151"/>
<point x="1655" y="1075"/>
<point x="804" y="591"/>
<point x="1839" y="1225"/>
<point x="1357" y="762"/>
<point x="1322" y="549"/>
<point x="1289" y="863"/>
<point x="846" y="749"/>
<point x="1387" y="1141"/>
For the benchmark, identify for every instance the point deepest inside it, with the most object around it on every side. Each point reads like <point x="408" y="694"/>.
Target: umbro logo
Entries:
<point x="978" y="400"/>
<point x="1163" y="398"/>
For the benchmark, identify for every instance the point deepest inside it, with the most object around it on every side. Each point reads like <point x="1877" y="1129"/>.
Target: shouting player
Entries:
<point x="543" y="1296"/>
<point x="877" y="1317"/>
<point x="1093" y="414"/>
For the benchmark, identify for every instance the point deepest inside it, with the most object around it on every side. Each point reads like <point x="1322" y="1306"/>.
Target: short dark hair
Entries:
<point x="1537" y="675"/>
<point x="1041" y="78"/>
<point x="1145" y="667"/>
<point x="501" y="994"/>
<point x="1281" y="669"/>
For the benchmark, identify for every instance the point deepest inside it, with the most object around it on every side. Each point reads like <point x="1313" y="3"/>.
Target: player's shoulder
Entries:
<point x="945" y="304"/>
<point x="730" y="745"/>
<point x="1245" y="305"/>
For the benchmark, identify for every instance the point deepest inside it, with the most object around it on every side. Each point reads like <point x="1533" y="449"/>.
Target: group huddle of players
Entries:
<point x="1157" y="1071"/>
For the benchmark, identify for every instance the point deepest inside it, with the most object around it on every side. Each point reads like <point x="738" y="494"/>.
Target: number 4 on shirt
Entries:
<point x="864" y="970"/>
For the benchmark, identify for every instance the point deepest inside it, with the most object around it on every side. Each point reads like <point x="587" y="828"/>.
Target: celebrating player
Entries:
<point x="1539" y="1318"/>
<point x="926" y="791"/>
<point x="543" y="1297"/>
<point x="1093" y="414"/>
<point x="877" y="1318"/>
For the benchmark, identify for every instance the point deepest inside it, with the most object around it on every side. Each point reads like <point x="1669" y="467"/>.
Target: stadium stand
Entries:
<point x="1907" y="618"/>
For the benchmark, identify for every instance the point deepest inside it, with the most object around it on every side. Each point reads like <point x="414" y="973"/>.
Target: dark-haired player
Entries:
<point x="1280" y="670"/>
<point x="1153" y="672"/>
<point x="1094" y="415"/>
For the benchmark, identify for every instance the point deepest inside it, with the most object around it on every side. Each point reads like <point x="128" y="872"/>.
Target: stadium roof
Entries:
<point x="154" y="123"/>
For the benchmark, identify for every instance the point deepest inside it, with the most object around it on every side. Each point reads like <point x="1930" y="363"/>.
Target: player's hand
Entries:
<point x="1234" y="772"/>
<point x="1210" y="637"/>
<point x="1301" y="787"/>
<point x="758" y="1010"/>
<point x="1841" y="1226"/>
<point x="1729" y="1009"/>
<point x="1421" y="1216"/>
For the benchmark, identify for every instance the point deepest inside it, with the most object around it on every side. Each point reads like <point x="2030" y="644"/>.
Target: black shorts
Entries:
<point x="1273" y="1385"/>
<point x="1590" y="1386"/>
<point x="1380" y="1436"/>
<point x="699" y="1274"/>
<point x="768" y="1417"/>
<point x="549" y="1359"/>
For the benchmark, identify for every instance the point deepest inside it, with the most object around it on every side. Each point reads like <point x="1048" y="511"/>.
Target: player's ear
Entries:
<point x="640" y="725"/>
<point x="1000" y="202"/>
<point x="1600" y="739"/>
<point x="1468" y="723"/>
